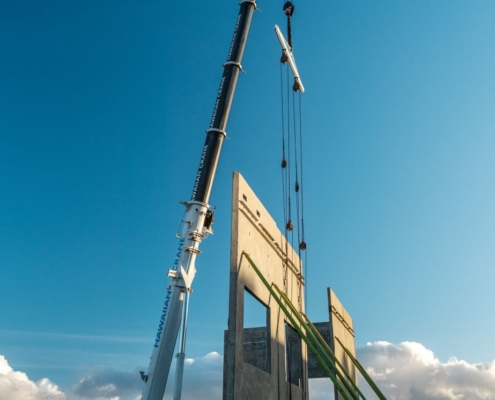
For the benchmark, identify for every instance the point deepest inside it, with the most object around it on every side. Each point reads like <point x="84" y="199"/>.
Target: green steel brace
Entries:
<point x="323" y="346"/>
<point x="363" y="372"/>
<point x="299" y="331"/>
<point x="320" y="343"/>
<point x="317" y="334"/>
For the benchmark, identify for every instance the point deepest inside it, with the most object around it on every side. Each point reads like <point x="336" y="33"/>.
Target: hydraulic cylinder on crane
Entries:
<point x="197" y="223"/>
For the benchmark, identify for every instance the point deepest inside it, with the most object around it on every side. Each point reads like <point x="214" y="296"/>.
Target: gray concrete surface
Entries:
<point x="256" y="233"/>
<point x="341" y="326"/>
<point x="260" y="361"/>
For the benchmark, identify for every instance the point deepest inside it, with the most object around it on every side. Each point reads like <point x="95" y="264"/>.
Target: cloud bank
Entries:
<point x="404" y="371"/>
<point x="107" y="384"/>
<point x="203" y="378"/>
<point x="409" y="371"/>
<point x="16" y="385"/>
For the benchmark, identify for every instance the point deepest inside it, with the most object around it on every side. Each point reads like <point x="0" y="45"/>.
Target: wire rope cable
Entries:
<point x="302" y="243"/>
<point x="284" y="160"/>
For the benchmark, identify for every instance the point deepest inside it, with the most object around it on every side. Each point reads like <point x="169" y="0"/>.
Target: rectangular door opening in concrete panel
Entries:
<point x="256" y="333"/>
<point x="293" y="356"/>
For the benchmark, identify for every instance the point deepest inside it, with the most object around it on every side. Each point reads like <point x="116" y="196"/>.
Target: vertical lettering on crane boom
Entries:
<point x="167" y="297"/>
<point x="200" y="171"/>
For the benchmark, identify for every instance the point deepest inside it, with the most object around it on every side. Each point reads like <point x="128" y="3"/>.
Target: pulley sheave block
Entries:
<point x="288" y="8"/>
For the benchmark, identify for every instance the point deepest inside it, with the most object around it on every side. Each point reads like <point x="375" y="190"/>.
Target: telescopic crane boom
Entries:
<point x="197" y="223"/>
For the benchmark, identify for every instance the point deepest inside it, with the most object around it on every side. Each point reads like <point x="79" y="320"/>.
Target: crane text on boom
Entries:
<point x="198" y="175"/>
<point x="167" y="297"/>
<point x="234" y="36"/>
<point x="215" y="109"/>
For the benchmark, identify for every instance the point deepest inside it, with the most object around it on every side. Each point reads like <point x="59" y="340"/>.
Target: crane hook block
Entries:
<point x="288" y="8"/>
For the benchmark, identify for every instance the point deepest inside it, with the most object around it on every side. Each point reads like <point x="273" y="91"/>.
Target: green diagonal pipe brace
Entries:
<point x="297" y="328"/>
<point x="320" y="343"/>
<point x="363" y="372"/>
<point x="329" y="350"/>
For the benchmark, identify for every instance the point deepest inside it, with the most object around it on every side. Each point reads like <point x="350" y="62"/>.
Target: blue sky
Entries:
<point x="103" y="111"/>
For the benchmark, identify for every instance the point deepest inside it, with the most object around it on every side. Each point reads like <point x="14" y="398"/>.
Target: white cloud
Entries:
<point x="16" y="385"/>
<point x="321" y="389"/>
<point x="406" y="371"/>
<point x="212" y="358"/>
<point x="409" y="371"/>
<point x="203" y="378"/>
<point x="107" y="384"/>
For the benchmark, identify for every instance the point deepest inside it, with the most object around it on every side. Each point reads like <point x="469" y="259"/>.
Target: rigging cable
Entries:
<point x="284" y="160"/>
<point x="296" y="190"/>
<point x="294" y="139"/>
<point x="292" y="177"/>
<point x="302" y="243"/>
<point x="289" y="226"/>
<point x="288" y="10"/>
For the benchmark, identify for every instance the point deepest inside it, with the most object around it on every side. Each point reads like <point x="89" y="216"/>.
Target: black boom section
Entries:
<point x="216" y="133"/>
